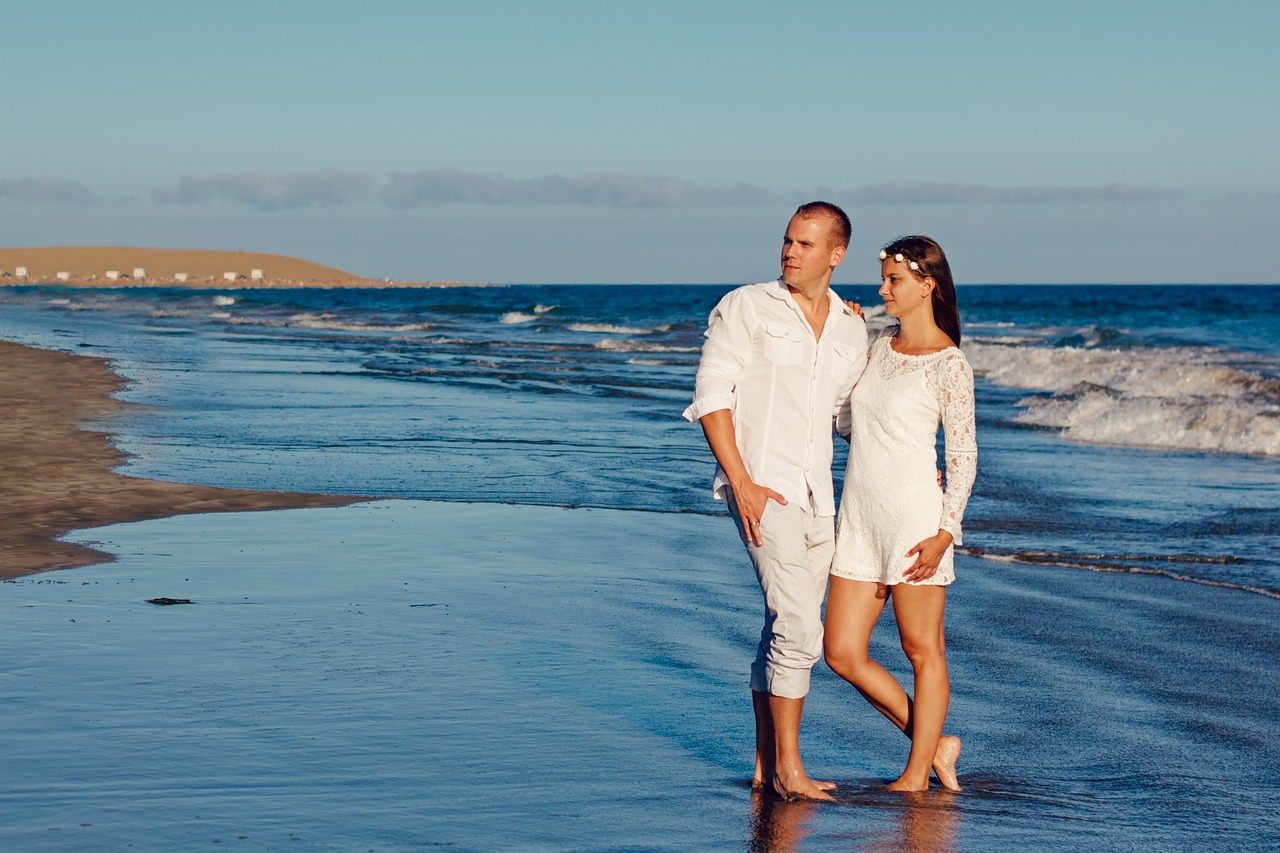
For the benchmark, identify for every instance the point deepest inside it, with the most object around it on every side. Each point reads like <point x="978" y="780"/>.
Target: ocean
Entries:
<point x="1132" y="429"/>
<point x="535" y="635"/>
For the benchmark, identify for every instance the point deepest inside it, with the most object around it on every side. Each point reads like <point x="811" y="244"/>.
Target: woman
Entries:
<point x="896" y="528"/>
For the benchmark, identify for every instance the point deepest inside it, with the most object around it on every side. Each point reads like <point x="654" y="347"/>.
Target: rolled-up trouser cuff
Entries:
<point x="792" y="567"/>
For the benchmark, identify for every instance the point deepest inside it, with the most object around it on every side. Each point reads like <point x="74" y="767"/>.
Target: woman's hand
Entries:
<point x="928" y="554"/>
<point x="855" y="308"/>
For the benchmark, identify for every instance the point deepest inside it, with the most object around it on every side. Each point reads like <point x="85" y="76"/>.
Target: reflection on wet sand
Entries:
<point x="926" y="824"/>
<point x="923" y="822"/>
<point x="777" y="825"/>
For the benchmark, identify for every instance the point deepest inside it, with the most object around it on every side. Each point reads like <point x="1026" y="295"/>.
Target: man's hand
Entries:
<point x="751" y="500"/>
<point x="928" y="555"/>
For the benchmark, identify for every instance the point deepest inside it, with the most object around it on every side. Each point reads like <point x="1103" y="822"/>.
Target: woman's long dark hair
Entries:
<point x="933" y="263"/>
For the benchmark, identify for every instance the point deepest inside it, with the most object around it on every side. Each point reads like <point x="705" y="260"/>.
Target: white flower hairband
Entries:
<point x="884" y="256"/>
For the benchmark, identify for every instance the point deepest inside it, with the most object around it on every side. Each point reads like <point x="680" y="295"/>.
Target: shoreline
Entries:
<point x="60" y="477"/>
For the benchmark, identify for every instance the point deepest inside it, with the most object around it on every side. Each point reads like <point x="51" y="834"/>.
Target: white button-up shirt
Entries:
<point x="785" y="389"/>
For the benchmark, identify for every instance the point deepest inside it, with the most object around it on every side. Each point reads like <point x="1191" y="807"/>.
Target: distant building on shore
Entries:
<point x="256" y="275"/>
<point x="180" y="277"/>
<point x="20" y="272"/>
<point x="228" y="276"/>
<point x="139" y="272"/>
<point x="64" y="276"/>
<point x="113" y="275"/>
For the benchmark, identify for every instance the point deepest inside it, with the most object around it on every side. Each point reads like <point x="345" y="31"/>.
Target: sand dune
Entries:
<point x="89" y="265"/>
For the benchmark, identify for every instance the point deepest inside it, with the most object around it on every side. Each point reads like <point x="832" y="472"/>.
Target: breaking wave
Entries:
<point x="1190" y="398"/>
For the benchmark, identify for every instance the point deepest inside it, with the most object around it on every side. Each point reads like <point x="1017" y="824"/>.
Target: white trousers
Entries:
<point x="792" y="566"/>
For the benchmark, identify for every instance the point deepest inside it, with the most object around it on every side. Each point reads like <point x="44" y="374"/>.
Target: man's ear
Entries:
<point x="837" y="255"/>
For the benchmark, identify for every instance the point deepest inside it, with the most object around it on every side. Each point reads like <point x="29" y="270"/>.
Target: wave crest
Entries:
<point x="1179" y="397"/>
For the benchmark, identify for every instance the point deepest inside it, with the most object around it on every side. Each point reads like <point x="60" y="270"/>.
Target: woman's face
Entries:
<point x="902" y="290"/>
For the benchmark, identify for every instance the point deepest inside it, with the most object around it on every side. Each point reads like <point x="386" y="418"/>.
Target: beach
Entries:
<point x="529" y="640"/>
<point x="59" y="478"/>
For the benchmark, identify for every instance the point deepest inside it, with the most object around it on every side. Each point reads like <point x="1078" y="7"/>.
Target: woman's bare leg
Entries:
<point x="853" y="608"/>
<point x="919" y="611"/>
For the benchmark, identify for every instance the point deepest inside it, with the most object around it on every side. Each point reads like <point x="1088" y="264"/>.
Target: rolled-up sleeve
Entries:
<point x="724" y="352"/>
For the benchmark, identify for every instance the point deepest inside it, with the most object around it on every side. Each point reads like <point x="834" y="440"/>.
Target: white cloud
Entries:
<point x="919" y="192"/>
<point x="266" y="191"/>
<point x="46" y="190"/>
<point x="619" y="190"/>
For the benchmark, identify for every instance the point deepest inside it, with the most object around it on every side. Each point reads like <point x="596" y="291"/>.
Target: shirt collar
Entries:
<point x="780" y="291"/>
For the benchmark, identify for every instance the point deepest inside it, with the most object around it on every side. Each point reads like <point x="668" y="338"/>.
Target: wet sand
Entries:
<point x="58" y="477"/>
<point x="406" y="674"/>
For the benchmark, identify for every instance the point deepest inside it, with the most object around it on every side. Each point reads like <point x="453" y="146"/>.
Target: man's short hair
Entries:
<point x="840" y="219"/>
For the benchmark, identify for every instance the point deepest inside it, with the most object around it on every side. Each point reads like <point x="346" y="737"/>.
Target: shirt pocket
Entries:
<point x="783" y="345"/>
<point x="842" y="359"/>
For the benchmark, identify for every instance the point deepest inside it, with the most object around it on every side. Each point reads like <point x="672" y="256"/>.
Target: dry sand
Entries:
<point x="57" y="477"/>
<point x="89" y="265"/>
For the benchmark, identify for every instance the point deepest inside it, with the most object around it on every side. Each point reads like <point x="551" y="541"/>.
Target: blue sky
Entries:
<point x="652" y="142"/>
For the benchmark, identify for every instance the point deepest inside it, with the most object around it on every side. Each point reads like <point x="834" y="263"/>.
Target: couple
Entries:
<point x="782" y="362"/>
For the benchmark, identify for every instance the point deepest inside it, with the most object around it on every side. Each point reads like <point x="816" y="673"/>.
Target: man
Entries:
<point x="777" y="367"/>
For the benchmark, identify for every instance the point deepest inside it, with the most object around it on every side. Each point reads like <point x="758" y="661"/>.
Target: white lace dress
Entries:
<point x="891" y="498"/>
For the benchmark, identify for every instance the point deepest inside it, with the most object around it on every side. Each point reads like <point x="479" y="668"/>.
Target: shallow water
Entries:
<point x="404" y="674"/>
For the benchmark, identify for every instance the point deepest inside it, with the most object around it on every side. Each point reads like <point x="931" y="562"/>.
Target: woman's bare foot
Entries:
<point x="910" y="787"/>
<point x="797" y="786"/>
<point x="944" y="762"/>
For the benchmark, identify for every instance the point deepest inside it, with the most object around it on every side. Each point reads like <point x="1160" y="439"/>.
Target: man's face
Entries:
<point x="809" y="251"/>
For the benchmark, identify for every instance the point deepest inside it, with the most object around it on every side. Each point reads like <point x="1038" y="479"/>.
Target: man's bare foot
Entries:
<point x="944" y="762"/>
<point x="758" y="784"/>
<point x="797" y="786"/>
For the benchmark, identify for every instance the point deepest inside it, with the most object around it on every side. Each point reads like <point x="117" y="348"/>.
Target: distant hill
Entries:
<point x="91" y="265"/>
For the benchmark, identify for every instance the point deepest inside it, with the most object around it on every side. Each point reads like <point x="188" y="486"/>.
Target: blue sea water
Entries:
<point x="1121" y="428"/>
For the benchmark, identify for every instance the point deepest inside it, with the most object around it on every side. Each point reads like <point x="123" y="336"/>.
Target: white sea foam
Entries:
<point x="543" y="309"/>
<point x="514" y="317"/>
<point x="1008" y="340"/>
<point x="332" y="322"/>
<point x="605" y="328"/>
<point x="1180" y="397"/>
<point x="224" y="300"/>
<point x="59" y="301"/>
<point x="615" y="345"/>
<point x="646" y="362"/>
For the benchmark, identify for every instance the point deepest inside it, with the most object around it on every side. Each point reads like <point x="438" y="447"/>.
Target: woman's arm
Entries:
<point x="960" y="443"/>
<point x="953" y="386"/>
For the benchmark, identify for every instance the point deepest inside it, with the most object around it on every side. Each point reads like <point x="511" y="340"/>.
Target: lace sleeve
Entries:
<point x="952" y="384"/>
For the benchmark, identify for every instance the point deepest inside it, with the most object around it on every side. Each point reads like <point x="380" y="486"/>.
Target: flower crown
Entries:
<point x="884" y="256"/>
